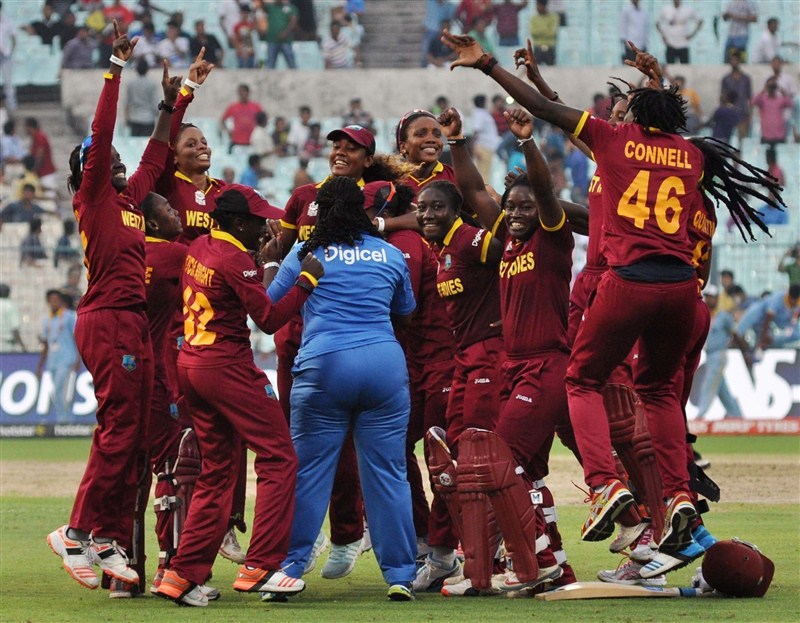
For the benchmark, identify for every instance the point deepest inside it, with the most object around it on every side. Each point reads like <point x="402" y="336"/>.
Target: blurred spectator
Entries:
<point x="768" y="46"/>
<point x="77" y="53"/>
<point x="141" y="101"/>
<point x="59" y="352"/>
<point x="790" y="264"/>
<point x="73" y="288"/>
<point x="478" y="33"/>
<point x="28" y="176"/>
<point x="436" y="12"/>
<point x="298" y="132"/>
<point x="634" y="26"/>
<point x="351" y="29"/>
<point x="738" y="82"/>
<point x="508" y="142"/>
<point x="694" y="112"/>
<point x="578" y="166"/>
<point x="782" y="78"/>
<point x="314" y="145"/>
<point x="674" y="25"/>
<point x="485" y="139"/>
<point x="601" y="106"/>
<point x="716" y="347"/>
<point x="469" y="11"/>
<point x="438" y="54"/>
<point x="773" y="319"/>
<point x="726" y="300"/>
<point x="280" y="137"/>
<point x="725" y="118"/>
<point x="242" y="116"/>
<point x="177" y="19"/>
<point x="31" y="249"/>
<point x="337" y="50"/>
<point x="301" y="176"/>
<point x="61" y="7"/>
<point x="67" y="29"/>
<point x="68" y="249"/>
<point x="358" y="116"/>
<point x="771" y="104"/>
<point x="306" y="20"/>
<point x="10" y="338"/>
<point x="740" y="14"/>
<point x="214" y="51"/>
<point x="147" y="46"/>
<point x="244" y="39"/>
<point x="262" y="144"/>
<point x="507" y="24"/>
<point x="773" y="168"/>
<point x="440" y="105"/>
<point x="774" y="216"/>
<point x="253" y="171"/>
<point x="544" y="32"/>
<point x="46" y="28"/>
<point x="229" y="175"/>
<point x="174" y="47"/>
<point x="230" y="13"/>
<point x="8" y="41"/>
<point x="25" y="210"/>
<point x="281" y="20"/>
<point x="12" y="150"/>
<point x="42" y="155"/>
<point x="124" y="18"/>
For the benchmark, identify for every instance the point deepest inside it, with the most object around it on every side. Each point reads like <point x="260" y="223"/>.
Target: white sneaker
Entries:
<point x="629" y="575"/>
<point x="509" y="581"/>
<point x="78" y="561"/>
<point x="231" y="549"/>
<point x="463" y="588"/>
<point x="211" y="593"/>
<point x="113" y="560"/>
<point x="366" y="540"/>
<point x="320" y="545"/>
<point x="423" y="550"/>
<point x="626" y="536"/>
<point x="431" y="576"/>
<point x="341" y="560"/>
<point x="645" y="548"/>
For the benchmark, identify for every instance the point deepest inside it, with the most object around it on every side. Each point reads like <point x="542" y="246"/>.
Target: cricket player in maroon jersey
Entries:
<point x="112" y="332"/>
<point x="429" y="348"/>
<point x="230" y="399"/>
<point x="535" y="273"/>
<point x="650" y="177"/>
<point x="352" y="155"/>
<point x="419" y="141"/>
<point x="467" y="280"/>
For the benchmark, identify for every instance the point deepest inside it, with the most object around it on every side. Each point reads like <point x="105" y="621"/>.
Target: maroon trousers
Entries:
<point x="661" y="316"/>
<point x="115" y="347"/>
<point x="230" y="404"/>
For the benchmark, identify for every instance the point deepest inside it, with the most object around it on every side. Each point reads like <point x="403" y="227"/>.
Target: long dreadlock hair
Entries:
<point x="341" y="218"/>
<point x="729" y="180"/>
<point x="663" y="109"/>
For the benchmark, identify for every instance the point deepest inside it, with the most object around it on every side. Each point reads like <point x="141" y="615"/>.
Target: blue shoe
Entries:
<point x="703" y="537"/>
<point x="402" y="591"/>
<point x="664" y="562"/>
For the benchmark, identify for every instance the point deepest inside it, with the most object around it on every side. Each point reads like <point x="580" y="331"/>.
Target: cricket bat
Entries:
<point x="606" y="590"/>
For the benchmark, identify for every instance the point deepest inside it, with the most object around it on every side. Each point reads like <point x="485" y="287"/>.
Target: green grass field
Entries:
<point x="34" y="588"/>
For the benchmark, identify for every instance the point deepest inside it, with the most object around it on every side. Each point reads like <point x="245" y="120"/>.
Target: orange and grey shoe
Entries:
<point x="77" y="557"/>
<point x="680" y="517"/>
<point x="182" y="592"/>
<point x="157" y="580"/>
<point x="255" y="580"/>
<point x="606" y="504"/>
<point x="113" y="560"/>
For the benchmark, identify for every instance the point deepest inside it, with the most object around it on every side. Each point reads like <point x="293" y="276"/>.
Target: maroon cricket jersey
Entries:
<point x="110" y="223"/>
<point x="594" y="256"/>
<point x="441" y="172"/>
<point x="164" y="265"/>
<point x="429" y="337"/>
<point x="468" y="284"/>
<point x="300" y="213"/>
<point x="221" y="286"/>
<point x="650" y="183"/>
<point x="702" y="225"/>
<point x="534" y="290"/>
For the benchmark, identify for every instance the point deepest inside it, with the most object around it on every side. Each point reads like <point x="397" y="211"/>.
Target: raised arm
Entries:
<point x="551" y="214"/>
<point x="470" y="54"/>
<point x="468" y="179"/>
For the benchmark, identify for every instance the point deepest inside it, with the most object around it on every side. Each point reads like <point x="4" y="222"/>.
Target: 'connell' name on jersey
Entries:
<point x="352" y="255"/>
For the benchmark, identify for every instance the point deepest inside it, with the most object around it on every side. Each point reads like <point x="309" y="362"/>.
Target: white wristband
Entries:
<point x="117" y="61"/>
<point x="191" y="84"/>
<point x="381" y="223"/>
<point x="272" y="265"/>
<point x="522" y="141"/>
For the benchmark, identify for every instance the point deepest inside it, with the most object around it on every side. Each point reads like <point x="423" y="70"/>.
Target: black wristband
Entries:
<point x="162" y="105"/>
<point x="489" y="65"/>
<point x="456" y="141"/>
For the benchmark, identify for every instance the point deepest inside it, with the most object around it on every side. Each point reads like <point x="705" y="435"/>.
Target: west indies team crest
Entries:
<point x="313" y="208"/>
<point x="448" y="262"/>
<point x="200" y="197"/>
<point x="129" y="362"/>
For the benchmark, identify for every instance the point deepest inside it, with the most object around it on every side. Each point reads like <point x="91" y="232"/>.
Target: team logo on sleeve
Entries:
<point x="313" y="208"/>
<point x="129" y="362"/>
<point x="200" y="197"/>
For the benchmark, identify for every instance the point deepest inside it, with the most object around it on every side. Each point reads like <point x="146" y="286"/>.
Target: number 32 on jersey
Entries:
<point x="197" y="313"/>
<point x="667" y="210"/>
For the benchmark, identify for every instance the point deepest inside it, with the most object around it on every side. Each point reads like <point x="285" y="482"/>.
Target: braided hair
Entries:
<point x="663" y="109"/>
<point x="729" y="179"/>
<point x="341" y="218"/>
<point x="403" y="198"/>
<point x="75" y="170"/>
